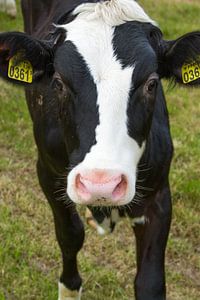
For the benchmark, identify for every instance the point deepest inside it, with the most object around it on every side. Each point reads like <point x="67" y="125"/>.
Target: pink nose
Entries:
<point x="100" y="185"/>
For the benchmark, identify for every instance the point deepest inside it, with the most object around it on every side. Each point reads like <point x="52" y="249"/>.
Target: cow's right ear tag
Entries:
<point x="20" y="69"/>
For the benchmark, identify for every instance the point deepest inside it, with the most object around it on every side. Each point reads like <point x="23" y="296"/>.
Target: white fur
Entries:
<point x="105" y="225"/>
<point x="139" y="221"/>
<point x="100" y="230"/>
<point x="114" y="149"/>
<point x="113" y="12"/>
<point x="66" y="294"/>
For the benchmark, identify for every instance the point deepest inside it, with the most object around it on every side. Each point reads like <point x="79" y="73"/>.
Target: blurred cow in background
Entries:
<point x="9" y="6"/>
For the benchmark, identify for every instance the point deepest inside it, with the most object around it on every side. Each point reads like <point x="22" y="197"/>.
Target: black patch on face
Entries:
<point x="132" y="44"/>
<point x="133" y="48"/>
<point x="82" y="105"/>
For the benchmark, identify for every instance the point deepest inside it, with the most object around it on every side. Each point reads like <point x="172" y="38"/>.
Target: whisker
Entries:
<point x="144" y="170"/>
<point x="63" y="178"/>
<point x="144" y="188"/>
<point x="142" y="165"/>
<point x="141" y="180"/>
<point x="67" y="202"/>
<point x="62" y="197"/>
<point x="139" y="194"/>
<point x="69" y="168"/>
<point x="63" y="189"/>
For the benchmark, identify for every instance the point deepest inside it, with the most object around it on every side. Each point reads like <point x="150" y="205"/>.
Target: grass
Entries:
<point x="29" y="256"/>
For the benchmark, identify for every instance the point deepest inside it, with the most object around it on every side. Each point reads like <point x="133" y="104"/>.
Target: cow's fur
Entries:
<point x="97" y="106"/>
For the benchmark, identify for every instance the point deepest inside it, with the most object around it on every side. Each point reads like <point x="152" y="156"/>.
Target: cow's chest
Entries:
<point x="104" y="221"/>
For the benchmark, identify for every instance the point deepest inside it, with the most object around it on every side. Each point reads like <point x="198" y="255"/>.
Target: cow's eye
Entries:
<point x="151" y="84"/>
<point x="57" y="84"/>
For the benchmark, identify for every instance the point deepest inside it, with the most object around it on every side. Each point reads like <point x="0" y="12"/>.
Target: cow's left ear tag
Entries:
<point x="190" y="72"/>
<point x="20" y="69"/>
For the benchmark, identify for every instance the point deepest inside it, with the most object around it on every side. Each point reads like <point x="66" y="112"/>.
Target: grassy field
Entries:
<point x="29" y="256"/>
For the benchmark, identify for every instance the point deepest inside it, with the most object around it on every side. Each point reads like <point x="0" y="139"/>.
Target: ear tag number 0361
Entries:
<point x="21" y="70"/>
<point x="190" y="72"/>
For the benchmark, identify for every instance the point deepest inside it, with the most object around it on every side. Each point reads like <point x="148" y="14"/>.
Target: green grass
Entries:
<point x="29" y="256"/>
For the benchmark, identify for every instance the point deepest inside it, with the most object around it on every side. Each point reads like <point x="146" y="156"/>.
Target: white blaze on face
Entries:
<point x="114" y="148"/>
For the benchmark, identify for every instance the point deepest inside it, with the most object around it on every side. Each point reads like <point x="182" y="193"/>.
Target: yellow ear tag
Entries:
<point x="21" y="70"/>
<point x="190" y="72"/>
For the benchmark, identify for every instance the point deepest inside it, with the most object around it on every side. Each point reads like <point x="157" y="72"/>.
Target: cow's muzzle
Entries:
<point x="99" y="187"/>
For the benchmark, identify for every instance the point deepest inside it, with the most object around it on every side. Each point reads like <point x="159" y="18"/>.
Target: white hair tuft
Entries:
<point x="114" y="12"/>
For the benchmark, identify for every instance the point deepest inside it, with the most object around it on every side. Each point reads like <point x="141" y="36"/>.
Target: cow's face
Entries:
<point x="111" y="75"/>
<point x="105" y="73"/>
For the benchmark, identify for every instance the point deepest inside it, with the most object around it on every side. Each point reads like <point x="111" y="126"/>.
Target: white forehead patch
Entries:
<point x="113" y="12"/>
<point x="93" y="40"/>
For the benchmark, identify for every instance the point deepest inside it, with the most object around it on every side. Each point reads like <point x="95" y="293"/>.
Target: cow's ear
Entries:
<point x="24" y="59"/>
<point x="180" y="59"/>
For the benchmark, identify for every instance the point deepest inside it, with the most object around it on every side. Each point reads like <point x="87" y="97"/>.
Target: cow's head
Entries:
<point x="106" y="72"/>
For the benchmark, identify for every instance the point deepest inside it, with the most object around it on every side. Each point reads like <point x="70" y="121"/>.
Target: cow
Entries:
<point x="9" y="6"/>
<point x="92" y="73"/>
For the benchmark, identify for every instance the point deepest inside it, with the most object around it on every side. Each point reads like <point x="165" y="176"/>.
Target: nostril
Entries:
<point x="120" y="189"/>
<point x="80" y="185"/>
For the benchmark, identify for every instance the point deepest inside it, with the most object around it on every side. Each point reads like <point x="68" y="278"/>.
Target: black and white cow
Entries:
<point x="8" y="6"/>
<point x="100" y="119"/>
